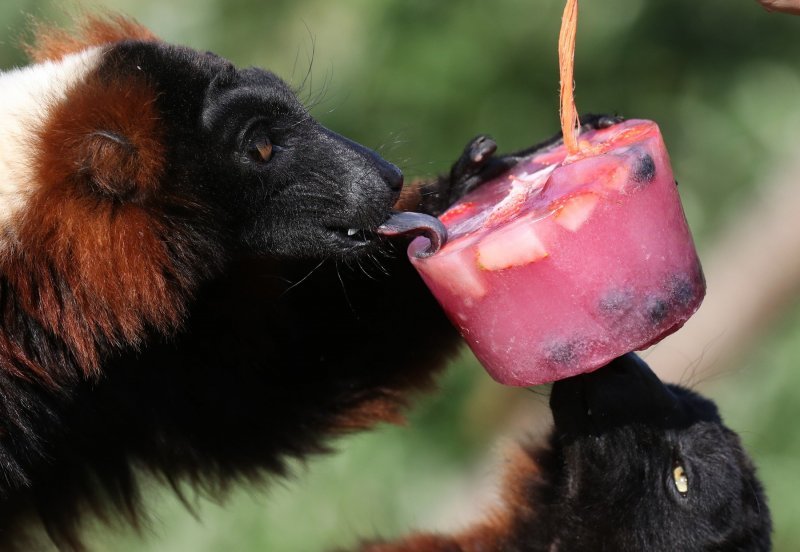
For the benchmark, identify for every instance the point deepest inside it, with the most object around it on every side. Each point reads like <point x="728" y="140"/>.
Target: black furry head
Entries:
<point x="240" y="141"/>
<point x="293" y="187"/>
<point x="648" y="466"/>
<point x="170" y="201"/>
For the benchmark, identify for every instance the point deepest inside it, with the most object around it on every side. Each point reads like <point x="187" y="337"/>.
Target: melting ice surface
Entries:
<point x="563" y="264"/>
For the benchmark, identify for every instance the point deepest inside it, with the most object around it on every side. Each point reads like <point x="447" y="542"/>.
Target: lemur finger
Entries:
<point x="591" y="121"/>
<point x="475" y="154"/>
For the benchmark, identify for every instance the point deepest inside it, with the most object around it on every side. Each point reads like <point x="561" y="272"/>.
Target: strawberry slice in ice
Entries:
<point x="567" y="262"/>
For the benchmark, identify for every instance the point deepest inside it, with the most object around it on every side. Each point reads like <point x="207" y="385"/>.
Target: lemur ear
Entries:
<point x="223" y="80"/>
<point x="107" y="137"/>
<point x="111" y="161"/>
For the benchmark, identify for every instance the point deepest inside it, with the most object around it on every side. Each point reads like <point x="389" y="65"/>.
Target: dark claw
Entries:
<point x="594" y="122"/>
<point x="474" y="156"/>
<point x="589" y="121"/>
<point x="479" y="149"/>
<point x="477" y="165"/>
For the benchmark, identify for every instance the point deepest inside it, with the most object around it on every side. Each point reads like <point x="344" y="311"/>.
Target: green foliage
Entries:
<point x="760" y="401"/>
<point x="416" y="79"/>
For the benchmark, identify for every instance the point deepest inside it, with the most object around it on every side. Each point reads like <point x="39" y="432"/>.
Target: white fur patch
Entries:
<point x="26" y="96"/>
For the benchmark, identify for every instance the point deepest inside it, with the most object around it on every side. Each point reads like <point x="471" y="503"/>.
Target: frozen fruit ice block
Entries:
<point x="567" y="262"/>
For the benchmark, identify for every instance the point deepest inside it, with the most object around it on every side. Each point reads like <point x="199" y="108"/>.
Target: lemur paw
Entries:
<point x="591" y="121"/>
<point x="477" y="165"/>
<point x="478" y="162"/>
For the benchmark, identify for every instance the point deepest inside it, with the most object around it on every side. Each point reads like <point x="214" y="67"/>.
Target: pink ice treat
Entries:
<point x="565" y="263"/>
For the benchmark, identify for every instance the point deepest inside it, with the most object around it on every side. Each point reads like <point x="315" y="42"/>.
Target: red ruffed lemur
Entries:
<point x="175" y="301"/>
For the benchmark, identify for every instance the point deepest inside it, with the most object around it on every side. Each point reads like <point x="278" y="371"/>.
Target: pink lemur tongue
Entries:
<point x="406" y="223"/>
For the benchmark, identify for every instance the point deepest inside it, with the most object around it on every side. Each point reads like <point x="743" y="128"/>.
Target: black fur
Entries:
<point x="608" y="481"/>
<point x="609" y="478"/>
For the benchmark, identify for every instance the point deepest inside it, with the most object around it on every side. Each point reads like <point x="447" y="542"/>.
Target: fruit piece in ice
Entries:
<point x="456" y="275"/>
<point x="644" y="170"/>
<point x="574" y="211"/>
<point x="512" y="246"/>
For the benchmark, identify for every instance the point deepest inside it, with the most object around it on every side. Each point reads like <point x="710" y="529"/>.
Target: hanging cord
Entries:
<point x="570" y="125"/>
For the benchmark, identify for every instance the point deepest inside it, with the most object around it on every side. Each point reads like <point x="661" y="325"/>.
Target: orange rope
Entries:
<point x="570" y="124"/>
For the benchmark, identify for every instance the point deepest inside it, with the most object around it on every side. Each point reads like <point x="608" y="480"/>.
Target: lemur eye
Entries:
<point x="261" y="150"/>
<point x="680" y="479"/>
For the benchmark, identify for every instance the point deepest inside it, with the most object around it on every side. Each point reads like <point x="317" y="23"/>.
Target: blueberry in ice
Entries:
<point x="681" y="291"/>
<point x="616" y="302"/>
<point x="562" y="353"/>
<point x="644" y="168"/>
<point x="657" y="309"/>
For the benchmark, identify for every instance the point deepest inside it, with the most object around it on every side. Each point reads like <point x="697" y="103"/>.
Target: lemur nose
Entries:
<point x="365" y="158"/>
<point x="392" y="175"/>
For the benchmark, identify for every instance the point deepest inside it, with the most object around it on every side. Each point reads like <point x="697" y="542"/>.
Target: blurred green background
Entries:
<point x="415" y="79"/>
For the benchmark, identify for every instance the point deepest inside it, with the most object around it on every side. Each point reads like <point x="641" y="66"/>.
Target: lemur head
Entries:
<point x="293" y="186"/>
<point x="164" y="119"/>
<point x="131" y="169"/>
<point x="655" y="455"/>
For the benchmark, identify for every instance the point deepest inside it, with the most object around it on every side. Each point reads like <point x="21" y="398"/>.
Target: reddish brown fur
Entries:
<point x="419" y="543"/>
<point x="489" y="537"/>
<point x="387" y="409"/>
<point x="410" y="196"/>
<point x="493" y="534"/>
<point x="75" y="230"/>
<point x="521" y="476"/>
<point x="51" y="43"/>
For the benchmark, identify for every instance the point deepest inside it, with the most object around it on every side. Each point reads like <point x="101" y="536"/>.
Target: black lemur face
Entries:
<point x="241" y="139"/>
<point x="651" y="467"/>
<point x="295" y="188"/>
